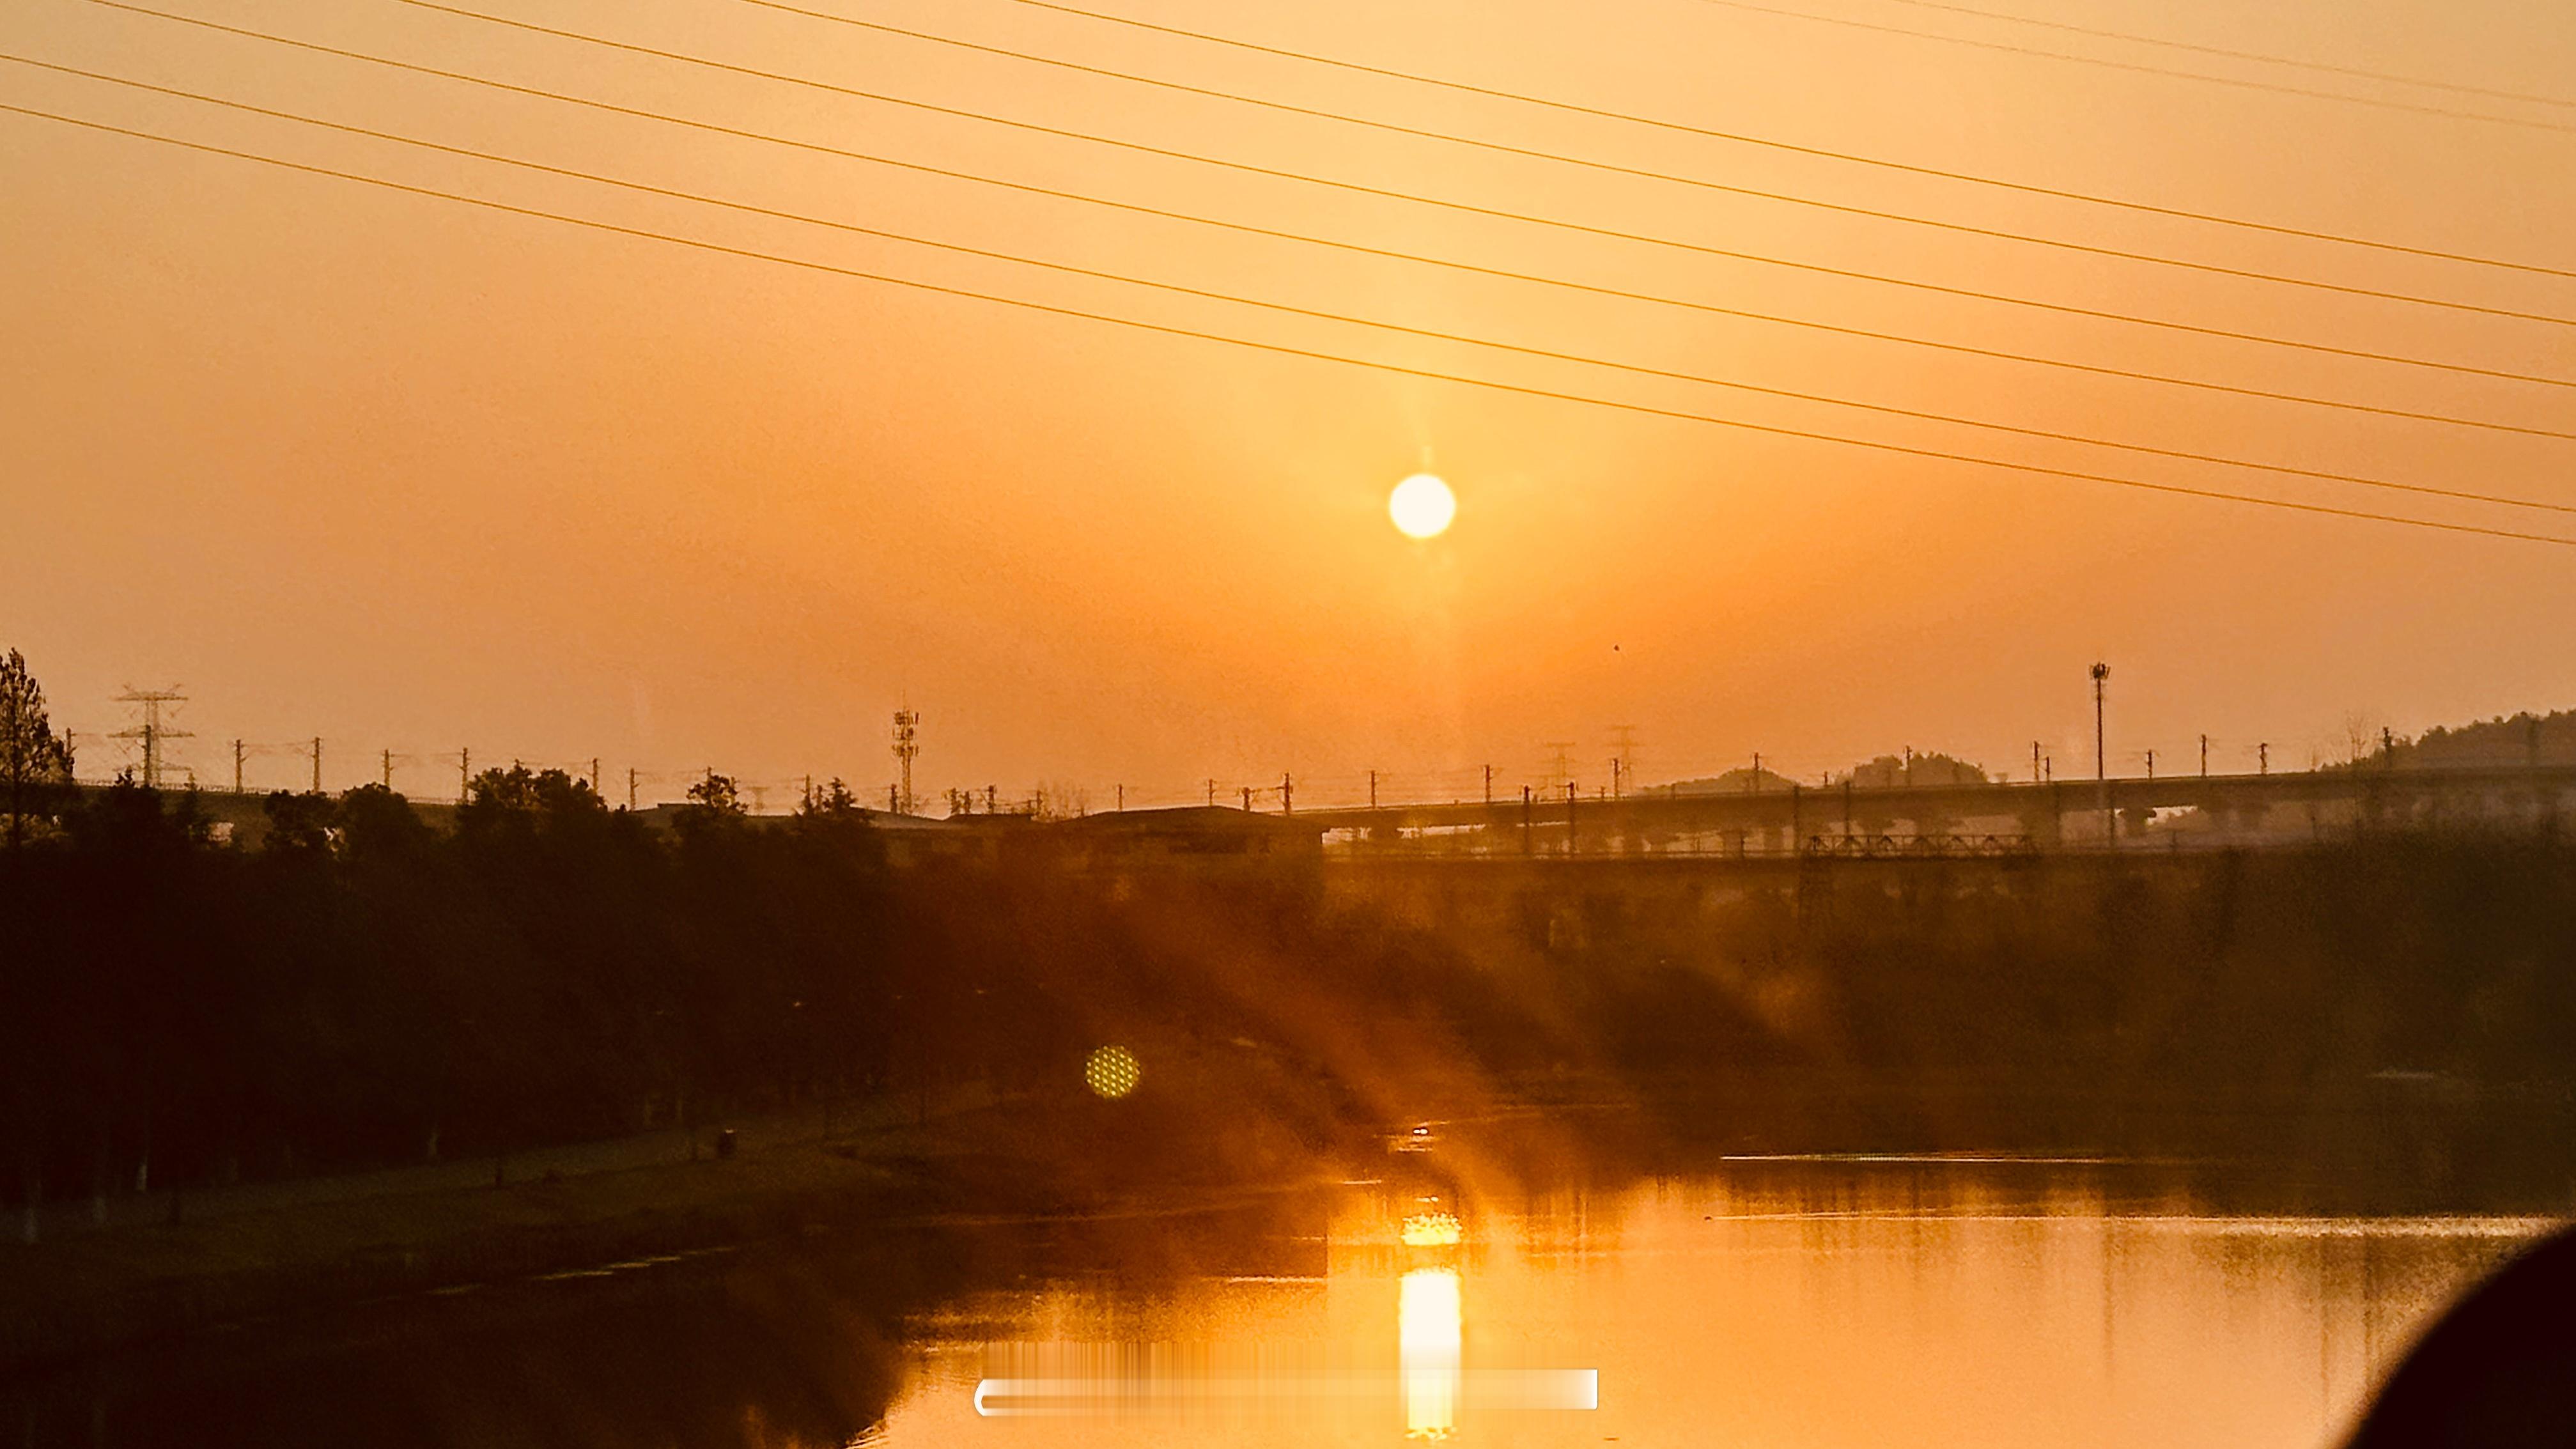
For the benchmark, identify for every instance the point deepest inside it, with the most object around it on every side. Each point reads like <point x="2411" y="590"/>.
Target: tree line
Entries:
<point x="363" y="989"/>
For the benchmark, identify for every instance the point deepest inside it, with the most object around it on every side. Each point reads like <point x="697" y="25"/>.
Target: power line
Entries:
<point x="1794" y="148"/>
<point x="1364" y="249"/>
<point x="2220" y="50"/>
<point x="1614" y="168"/>
<point x="2140" y="68"/>
<point x="1467" y="208"/>
<point x="1293" y="310"/>
<point x="1472" y="209"/>
<point x="1287" y="350"/>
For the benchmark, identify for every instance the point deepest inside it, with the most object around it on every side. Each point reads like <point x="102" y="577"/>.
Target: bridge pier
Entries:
<point x="2046" y="829"/>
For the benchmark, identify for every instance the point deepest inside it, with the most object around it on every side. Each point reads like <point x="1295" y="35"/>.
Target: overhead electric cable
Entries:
<point x="1644" y="173"/>
<point x="1287" y="350"/>
<point x="2140" y="68"/>
<point x="2220" y="50"/>
<point x="1826" y="153"/>
<point x="1471" y="209"/>
<point x="1363" y="249"/>
<point x="1314" y="313"/>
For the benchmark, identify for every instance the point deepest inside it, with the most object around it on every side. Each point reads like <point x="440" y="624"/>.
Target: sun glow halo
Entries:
<point x="1422" y="506"/>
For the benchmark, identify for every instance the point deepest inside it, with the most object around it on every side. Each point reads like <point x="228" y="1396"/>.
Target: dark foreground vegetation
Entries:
<point x="2405" y="1002"/>
<point x="362" y="991"/>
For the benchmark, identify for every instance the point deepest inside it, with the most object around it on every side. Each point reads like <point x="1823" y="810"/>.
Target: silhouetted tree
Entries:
<point x="832" y="801"/>
<point x="379" y="826"/>
<point x="717" y="795"/>
<point x="299" y="824"/>
<point x="35" y="767"/>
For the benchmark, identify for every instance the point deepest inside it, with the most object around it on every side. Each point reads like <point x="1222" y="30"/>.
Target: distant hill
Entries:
<point x="2522" y="739"/>
<point x="1880" y="773"/>
<point x="1740" y="781"/>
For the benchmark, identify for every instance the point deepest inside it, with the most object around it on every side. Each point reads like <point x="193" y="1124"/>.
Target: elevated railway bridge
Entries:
<point x="1992" y="818"/>
<point x="1656" y="870"/>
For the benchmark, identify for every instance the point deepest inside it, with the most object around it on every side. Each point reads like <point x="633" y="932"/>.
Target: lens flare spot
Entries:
<point x="1111" y="1072"/>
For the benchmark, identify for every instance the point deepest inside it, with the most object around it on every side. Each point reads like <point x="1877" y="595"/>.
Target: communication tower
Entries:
<point x="907" y="747"/>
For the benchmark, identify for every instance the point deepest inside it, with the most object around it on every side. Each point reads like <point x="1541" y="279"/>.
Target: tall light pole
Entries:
<point x="2101" y="762"/>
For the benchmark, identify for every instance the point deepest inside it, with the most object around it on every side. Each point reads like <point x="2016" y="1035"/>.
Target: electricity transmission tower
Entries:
<point x="1623" y="738"/>
<point x="1560" y="769"/>
<point x="152" y="732"/>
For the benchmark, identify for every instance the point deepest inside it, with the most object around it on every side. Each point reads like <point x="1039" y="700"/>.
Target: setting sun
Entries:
<point x="1422" y="506"/>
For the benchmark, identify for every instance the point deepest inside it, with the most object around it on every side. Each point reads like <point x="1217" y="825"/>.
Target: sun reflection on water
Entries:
<point x="1430" y="1332"/>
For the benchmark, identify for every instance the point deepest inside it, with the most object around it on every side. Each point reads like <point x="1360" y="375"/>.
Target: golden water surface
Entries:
<point x="1802" y="1305"/>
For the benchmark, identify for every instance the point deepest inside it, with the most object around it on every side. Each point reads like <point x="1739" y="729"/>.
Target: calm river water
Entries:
<point x="1815" y="1304"/>
<point x="1781" y="1304"/>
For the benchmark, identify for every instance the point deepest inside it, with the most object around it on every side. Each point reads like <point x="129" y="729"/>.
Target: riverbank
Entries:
<point x="1217" y="1131"/>
<point x="1214" y="1134"/>
<point x="116" y="1287"/>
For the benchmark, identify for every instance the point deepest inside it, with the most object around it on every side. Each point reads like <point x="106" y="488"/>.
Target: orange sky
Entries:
<point x="410" y="475"/>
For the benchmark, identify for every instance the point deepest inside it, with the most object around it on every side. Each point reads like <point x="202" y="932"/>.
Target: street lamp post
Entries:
<point x="2101" y="762"/>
